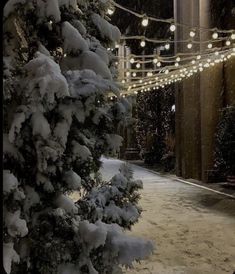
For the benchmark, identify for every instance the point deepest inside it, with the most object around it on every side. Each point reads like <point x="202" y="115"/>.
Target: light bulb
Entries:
<point x="215" y="35"/>
<point x="159" y="64"/>
<point x="172" y="28"/>
<point x="123" y="81"/>
<point x="216" y="53"/>
<point x="198" y="57"/>
<point x="176" y="64"/>
<point x="209" y="46"/>
<point x="132" y="60"/>
<point x="190" y="45"/>
<point x="228" y="43"/>
<point x="167" y="71"/>
<point x="142" y="43"/>
<point x="138" y="65"/>
<point x="192" y="33"/>
<point x="145" y="21"/>
<point x="134" y="74"/>
<point x="167" y="46"/>
<point x="149" y="74"/>
<point x="65" y="54"/>
<point x="193" y="62"/>
<point x="178" y="59"/>
<point x="233" y="36"/>
<point x="110" y="11"/>
<point x="127" y="73"/>
<point x="155" y="60"/>
<point x="50" y="22"/>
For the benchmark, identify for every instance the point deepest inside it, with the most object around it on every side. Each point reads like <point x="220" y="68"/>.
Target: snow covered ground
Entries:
<point x="194" y="229"/>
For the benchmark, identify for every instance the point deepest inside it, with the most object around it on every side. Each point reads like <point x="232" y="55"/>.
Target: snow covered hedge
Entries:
<point x="57" y="124"/>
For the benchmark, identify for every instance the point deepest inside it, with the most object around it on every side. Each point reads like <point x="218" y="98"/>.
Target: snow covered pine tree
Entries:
<point x="57" y="124"/>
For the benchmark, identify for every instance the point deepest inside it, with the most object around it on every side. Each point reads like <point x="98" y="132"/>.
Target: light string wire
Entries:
<point x="170" y="20"/>
<point x="173" y="76"/>
<point x="156" y="41"/>
<point x="167" y="59"/>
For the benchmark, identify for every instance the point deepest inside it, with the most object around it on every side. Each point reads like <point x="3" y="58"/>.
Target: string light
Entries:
<point x="110" y="11"/>
<point x="167" y="46"/>
<point x="145" y="21"/>
<point x="159" y="64"/>
<point x="171" y="76"/>
<point x="215" y="35"/>
<point x="138" y="65"/>
<point x="209" y="46"/>
<point x="142" y="43"/>
<point x="172" y="28"/>
<point x="233" y="36"/>
<point x="134" y="74"/>
<point x="189" y="45"/>
<point x="132" y="60"/>
<point x="192" y="33"/>
<point x="228" y="43"/>
<point x="178" y="59"/>
<point x="155" y="60"/>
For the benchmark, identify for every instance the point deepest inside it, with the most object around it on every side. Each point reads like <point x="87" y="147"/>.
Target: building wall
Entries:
<point x="199" y="99"/>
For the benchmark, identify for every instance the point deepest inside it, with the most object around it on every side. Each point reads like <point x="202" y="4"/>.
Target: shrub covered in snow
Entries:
<point x="57" y="124"/>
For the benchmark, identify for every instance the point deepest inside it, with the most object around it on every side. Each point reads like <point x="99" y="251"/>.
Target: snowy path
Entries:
<point x="194" y="229"/>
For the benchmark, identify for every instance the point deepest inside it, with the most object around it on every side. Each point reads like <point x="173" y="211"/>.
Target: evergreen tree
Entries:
<point x="225" y="144"/>
<point x="57" y="124"/>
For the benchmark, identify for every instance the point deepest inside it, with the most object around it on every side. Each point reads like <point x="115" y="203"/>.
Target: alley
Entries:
<point x="193" y="228"/>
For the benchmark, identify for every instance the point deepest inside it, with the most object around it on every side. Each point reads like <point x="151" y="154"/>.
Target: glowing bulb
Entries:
<point x="138" y="65"/>
<point x="167" y="71"/>
<point x="132" y="60"/>
<point x="65" y="54"/>
<point x="134" y="74"/>
<point x="190" y="45"/>
<point x="215" y="35"/>
<point x="142" y="43"/>
<point x="192" y="33"/>
<point x="176" y="64"/>
<point x="178" y="59"/>
<point x="145" y="21"/>
<point x="228" y="43"/>
<point x="110" y="11"/>
<point x="167" y="46"/>
<point x="233" y="36"/>
<point x="209" y="46"/>
<point x="50" y="22"/>
<point x="127" y="73"/>
<point x="172" y="28"/>
<point x="149" y="74"/>
<point x="216" y="53"/>
<point x="123" y="81"/>
<point x="159" y="64"/>
<point x="193" y="62"/>
<point x="155" y="60"/>
<point x="198" y="57"/>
